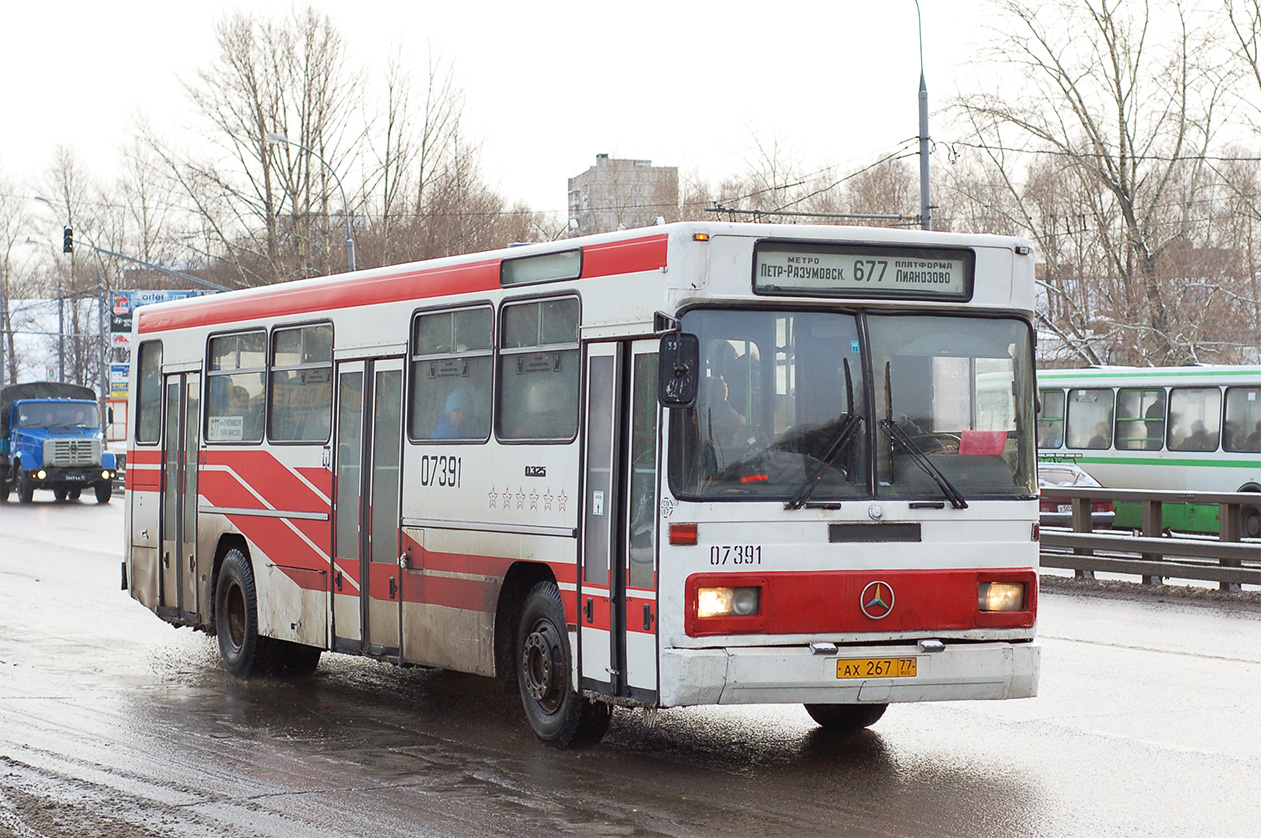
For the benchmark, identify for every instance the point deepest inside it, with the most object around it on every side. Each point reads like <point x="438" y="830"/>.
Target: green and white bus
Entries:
<point x="1192" y="428"/>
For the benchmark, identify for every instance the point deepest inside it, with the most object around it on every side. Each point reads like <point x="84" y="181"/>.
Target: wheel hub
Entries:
<point x="541" y="659"/>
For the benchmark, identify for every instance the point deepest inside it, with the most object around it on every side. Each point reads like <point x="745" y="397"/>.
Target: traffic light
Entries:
<point x="67" y="240"/>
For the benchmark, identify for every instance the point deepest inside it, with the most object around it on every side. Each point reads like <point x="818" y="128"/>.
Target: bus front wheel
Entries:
<point x="244" y="652"/>
<point x="843" y="718"/>
<point x="560" y="717"/>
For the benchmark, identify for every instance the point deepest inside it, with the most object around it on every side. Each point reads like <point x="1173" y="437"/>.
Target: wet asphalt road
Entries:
<point x="113" y="723"/>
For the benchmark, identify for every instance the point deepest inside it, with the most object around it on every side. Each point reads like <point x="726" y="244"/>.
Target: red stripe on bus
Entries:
<point x="144" y="456"/>
<point x="277" y="541"/>
<point x="479" y="565"/>
<point x="316" y="296"/>
<point x="648" y="254"/>
<point x="833" y="602"/>
<point x="142" y="480"/>
<point x="320" y="478"/>
<point x="319" y="296"/>
<point x="266" y="475"/>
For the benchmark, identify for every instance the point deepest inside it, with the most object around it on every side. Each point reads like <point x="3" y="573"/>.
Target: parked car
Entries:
<point x="1056" y="510"/>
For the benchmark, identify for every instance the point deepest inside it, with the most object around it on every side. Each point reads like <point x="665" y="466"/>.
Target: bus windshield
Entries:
<point x="827" y="406"/>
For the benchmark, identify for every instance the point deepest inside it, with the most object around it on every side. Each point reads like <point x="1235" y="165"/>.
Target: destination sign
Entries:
<point x="862" y="270"/>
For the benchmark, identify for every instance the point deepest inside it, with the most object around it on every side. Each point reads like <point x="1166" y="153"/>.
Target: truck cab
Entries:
<point x="51" y="438"/>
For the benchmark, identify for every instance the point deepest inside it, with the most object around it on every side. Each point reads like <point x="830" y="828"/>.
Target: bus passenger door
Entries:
<point x="178" y="569"/>
<point x="617" y="600"/>
<point x="365" y="578"/>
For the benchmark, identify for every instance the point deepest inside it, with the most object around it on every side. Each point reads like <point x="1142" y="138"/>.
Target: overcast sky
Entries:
<point x="548" y="85"/>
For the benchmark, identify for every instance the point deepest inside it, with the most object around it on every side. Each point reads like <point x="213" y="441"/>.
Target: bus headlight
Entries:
<point x="1001" y="596"/>
<point x="728" y="602"/>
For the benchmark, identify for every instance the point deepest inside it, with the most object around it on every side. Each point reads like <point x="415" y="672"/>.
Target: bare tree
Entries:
<point x="1127" y="97"/>
<point x="267" y="208"/>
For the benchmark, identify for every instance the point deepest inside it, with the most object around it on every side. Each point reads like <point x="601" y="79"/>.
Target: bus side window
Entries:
<point x="451" y="360"/>
<point x="1051" y="419"/>
<point x="148" y="392"/>
<point x="1089" y="418"/>
<point x="1243" y="420"/>
<point x="1140" y="419"/>
<point x="538" y="371"/>
<point x="1195" y="415"/>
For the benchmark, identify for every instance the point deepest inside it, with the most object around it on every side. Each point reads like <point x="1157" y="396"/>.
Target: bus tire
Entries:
<point x="26" y="489"/>
<point x="560" y="717"/>
<point x="104" y="491"/>
<point x="844" y="718"/>
<point x="243" y="650"/>
<point x="1251" y="524"/>
<point x="294" y="660"/>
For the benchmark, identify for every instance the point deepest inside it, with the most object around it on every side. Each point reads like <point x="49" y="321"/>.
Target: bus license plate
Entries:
<point x="876" y="668"/>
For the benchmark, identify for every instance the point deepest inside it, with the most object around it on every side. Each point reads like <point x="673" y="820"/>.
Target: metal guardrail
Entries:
<point x="1153" y="553"/>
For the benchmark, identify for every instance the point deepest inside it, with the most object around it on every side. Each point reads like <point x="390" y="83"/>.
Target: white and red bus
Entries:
<point x="691" y="464"/>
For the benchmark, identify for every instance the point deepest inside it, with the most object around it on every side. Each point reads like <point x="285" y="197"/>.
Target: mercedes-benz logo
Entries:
<point x="876" y="600"/>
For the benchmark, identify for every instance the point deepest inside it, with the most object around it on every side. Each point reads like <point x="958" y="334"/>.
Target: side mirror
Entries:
<point x="678" y="362"/>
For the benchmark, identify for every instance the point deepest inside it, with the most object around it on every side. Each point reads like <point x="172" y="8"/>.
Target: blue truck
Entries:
<point x="50" y="438"/>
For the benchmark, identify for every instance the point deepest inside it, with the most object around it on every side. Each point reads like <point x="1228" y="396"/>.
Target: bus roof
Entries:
<point x="627" y="251"/>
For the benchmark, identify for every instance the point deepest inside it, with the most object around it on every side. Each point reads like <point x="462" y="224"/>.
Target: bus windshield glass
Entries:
<point x="829" y="406"/>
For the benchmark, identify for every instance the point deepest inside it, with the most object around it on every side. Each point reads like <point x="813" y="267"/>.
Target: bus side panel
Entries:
<point x="143" y="482"/>
<point x="292" y="604"/>
<point x="292" y="601"/>
<point x="454" y="577"/>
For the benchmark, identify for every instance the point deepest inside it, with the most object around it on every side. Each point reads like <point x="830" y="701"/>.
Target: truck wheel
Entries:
<point x="560" y="717"/>
<point x="73" y="494"/>
<point x="5" y="488"/>
<point x="59" y="494"/>
<point x="104" y="491"/>
<point x="243" y="651"/>
<point x="843" y="718"/>
<point x="26" y="489"/>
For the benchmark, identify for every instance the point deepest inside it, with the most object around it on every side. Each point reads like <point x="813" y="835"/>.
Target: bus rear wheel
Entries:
<point x="560" y="717"/>
<point x="1252" y="522"/>
<point x="842" y="718"/>
<point x="243" y="650"/>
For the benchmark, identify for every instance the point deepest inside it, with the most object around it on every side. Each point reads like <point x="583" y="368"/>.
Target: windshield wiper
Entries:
<point x="920" y="459"/>
<point x="845" y="432"/>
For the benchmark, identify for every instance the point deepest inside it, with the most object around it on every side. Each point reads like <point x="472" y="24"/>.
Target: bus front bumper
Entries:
<point x="796" y="675"/>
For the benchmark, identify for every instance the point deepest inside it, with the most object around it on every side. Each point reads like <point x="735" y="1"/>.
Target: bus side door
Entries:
<point x="618" y="578"/>
<point x="365" y="577"/>
<point x="177" y="569"/>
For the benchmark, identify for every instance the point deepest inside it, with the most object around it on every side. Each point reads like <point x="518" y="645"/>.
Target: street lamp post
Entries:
<point x="273" y="137"/>
<point x="925" y="216"/>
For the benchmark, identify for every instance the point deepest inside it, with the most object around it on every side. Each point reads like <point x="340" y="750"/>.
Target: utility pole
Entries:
<point x="925" y="208"/>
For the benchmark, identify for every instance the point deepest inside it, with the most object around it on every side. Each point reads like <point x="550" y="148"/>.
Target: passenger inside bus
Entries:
<point x="1100" y="439"/>
<point x="1199" y="440"/>
<point x="719" y="420"/>
<point x="455" y="417"/>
